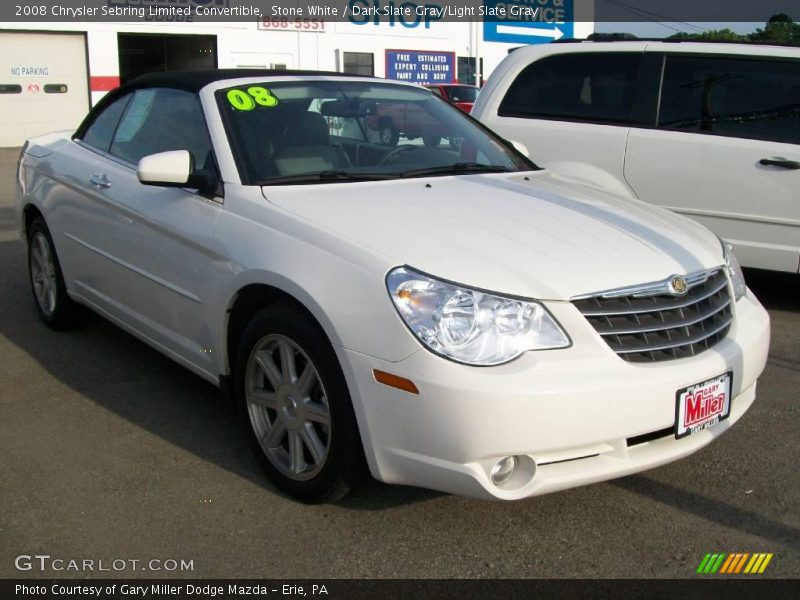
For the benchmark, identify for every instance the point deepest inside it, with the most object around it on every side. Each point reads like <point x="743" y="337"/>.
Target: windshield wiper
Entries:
<point x="456" y="169"/>
<point x="326" y="176"/>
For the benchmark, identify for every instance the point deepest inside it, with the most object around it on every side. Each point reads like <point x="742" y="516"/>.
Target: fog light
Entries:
<point x="503" y="470"/>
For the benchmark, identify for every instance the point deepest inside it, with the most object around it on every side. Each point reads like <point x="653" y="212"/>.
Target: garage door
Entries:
<point x="43" y="84"/>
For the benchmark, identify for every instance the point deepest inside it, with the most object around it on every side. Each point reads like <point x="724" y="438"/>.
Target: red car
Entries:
<point x="412" y="121"/>
<point x="463" y="96"/>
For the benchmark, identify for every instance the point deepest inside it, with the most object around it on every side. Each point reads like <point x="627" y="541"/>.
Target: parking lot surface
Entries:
<point x="108" y="450"/>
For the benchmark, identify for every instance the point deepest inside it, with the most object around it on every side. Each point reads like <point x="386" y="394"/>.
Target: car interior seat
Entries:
<point x="306" y="147"/>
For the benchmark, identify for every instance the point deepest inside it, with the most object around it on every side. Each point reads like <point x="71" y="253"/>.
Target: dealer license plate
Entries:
<point x="703" y="405"/>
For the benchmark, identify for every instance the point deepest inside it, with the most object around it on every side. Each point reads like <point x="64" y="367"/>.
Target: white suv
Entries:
<point x="708" y="130"/>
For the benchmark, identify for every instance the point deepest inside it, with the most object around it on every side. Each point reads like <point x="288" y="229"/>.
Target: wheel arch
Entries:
<point x="29" y="214"/>
<point x="253" y="297"/>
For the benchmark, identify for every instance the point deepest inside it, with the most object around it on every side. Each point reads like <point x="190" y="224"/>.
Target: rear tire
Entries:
<point x="388" y="135"/>
<point x="296" y="406"/>
<point x="54" y="305"/>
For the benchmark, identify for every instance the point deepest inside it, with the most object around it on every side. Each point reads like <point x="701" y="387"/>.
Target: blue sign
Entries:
<point x="528" y="21"/>
<point x="421" y="66"/>
<point x="395" y="13"/>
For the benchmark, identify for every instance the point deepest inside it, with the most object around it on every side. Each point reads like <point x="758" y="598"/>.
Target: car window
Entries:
<point x="463" y="93"/>
<point x="99" y="133"/>
<point x="135" y="116"/>
<point x="600" y="86"/>
<point x="757" y="99"/>
<point x="158" y="120"/>
<point x="354" y="130"/>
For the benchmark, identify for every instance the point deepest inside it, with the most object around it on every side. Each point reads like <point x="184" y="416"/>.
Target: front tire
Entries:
<point x="297" y="407"/>
<point x="54" y="305"/>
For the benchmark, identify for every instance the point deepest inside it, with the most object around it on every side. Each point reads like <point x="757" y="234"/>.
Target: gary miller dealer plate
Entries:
<point x="702" y="405"/>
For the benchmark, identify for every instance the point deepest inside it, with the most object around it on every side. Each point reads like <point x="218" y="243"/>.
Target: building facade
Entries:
<point x="51" y="73"/>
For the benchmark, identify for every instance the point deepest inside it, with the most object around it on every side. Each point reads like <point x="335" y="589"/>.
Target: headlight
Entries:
<point x="735" y="270"/>
<point x="470" y="326"/>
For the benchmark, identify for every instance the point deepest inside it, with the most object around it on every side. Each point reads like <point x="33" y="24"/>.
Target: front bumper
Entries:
<point x="571" y="414"/>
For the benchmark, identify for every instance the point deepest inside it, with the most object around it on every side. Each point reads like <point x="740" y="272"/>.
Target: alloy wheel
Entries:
<point x="43" y="273"/>
<point x="288" y="407"/>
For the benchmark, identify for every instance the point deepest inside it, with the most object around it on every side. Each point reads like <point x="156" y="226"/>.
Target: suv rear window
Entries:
<point x="598" y="86"/>
<point x="758" y="99"/>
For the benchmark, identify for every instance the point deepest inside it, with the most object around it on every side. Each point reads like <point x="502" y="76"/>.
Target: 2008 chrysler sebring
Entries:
<point x="446" y="314"/>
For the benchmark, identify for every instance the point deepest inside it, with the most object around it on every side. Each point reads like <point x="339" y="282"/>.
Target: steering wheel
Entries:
<point x="394" y="153"/>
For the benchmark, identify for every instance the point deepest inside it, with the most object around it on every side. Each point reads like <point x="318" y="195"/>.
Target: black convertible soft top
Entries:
<point x="192" y="81"/>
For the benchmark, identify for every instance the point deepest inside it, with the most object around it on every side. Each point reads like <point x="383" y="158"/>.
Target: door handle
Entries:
<point x="100" y="181"/>
<point x="778" y="161"/>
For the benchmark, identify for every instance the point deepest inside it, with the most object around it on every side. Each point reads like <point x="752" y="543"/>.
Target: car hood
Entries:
<point x="535" y="235"/>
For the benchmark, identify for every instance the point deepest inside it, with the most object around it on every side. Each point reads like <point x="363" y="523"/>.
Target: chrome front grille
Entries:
<point x="651" y="322"/>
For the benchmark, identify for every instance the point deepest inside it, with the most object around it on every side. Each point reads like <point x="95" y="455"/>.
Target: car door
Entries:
<point x="726" y="152"/>
<point x="156" y="242"/>
<point x="74" y="211"/>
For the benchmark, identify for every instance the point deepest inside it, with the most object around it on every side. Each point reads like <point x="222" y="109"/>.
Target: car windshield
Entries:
<point x="339" y="131"/>
<point x="463" y="93"/>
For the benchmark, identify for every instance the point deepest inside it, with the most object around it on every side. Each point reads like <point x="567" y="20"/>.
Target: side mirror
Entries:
<point x="173" y="169"/>
<point x="521" y="148"/>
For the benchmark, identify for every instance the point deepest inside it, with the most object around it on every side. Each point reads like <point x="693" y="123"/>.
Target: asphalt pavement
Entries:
<point x="110" y="451"/>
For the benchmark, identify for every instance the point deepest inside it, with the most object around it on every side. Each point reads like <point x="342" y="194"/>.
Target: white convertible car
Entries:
<point x="445" y="316"/>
